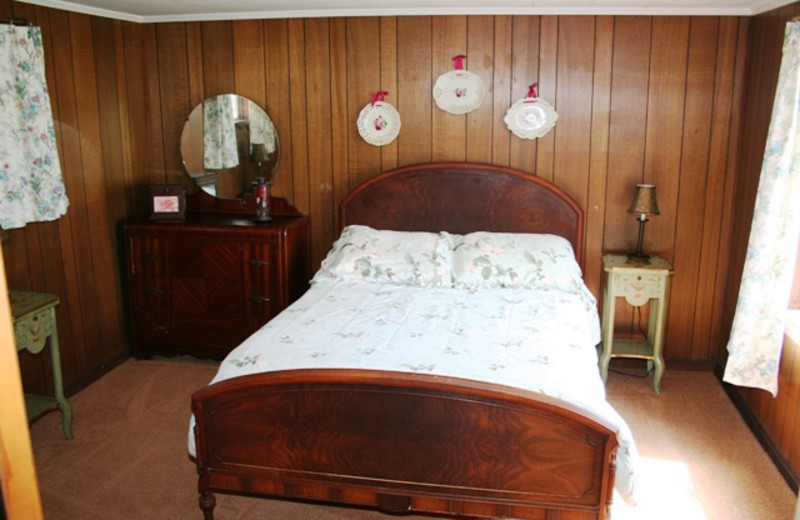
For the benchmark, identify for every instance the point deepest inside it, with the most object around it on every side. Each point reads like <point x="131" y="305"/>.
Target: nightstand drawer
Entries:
<point x="638" y="288"/>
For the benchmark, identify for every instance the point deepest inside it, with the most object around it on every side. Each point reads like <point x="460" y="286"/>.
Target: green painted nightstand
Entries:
<point x="34" y="316"/>
<point x="638" y="283"/>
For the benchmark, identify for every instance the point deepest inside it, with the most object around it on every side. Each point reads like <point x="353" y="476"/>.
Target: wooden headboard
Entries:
<point x="464" y="197"/>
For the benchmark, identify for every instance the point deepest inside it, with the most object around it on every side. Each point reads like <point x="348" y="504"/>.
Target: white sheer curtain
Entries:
<point x="31" y="187"/>
<point x="758" y="325"/>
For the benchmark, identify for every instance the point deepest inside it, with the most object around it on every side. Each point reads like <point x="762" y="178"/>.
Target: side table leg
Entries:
<point x="608" y="335"/>
<point x="605" y="358"/>
<point x="655" y="335"/>
<point x="659" y="371"/>
<point x="58" y="384"/>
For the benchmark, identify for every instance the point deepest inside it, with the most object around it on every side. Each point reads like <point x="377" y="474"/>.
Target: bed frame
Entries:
<point x="415" y="442"/>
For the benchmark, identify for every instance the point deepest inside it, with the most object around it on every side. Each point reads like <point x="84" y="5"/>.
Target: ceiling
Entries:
<point x="146" y="11"/>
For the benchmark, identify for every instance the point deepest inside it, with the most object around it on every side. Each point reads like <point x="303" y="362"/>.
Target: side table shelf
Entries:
<point x="34" y="316"/>
<point x="638" y="283"/>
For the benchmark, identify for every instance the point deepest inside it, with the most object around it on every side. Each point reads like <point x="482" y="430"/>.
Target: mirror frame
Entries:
<point x="247" y="141"/>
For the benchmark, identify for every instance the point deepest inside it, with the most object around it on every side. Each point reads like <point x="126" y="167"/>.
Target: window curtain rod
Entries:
<point x="15" y="21"/>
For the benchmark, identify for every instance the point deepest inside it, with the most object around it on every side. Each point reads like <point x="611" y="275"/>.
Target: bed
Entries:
<point x="443" y="361"/>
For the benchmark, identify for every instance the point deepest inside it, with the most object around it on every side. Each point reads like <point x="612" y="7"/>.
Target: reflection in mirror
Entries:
<point x="227" y="143"/>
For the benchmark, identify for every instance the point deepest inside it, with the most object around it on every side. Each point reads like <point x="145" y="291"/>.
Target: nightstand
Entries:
<point x="34" y="317"/>
<point x="638" y="283"/>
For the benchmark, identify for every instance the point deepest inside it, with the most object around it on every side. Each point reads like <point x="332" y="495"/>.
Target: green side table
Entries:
<point x="34" y="316"/>
<point x="638" y="283"/>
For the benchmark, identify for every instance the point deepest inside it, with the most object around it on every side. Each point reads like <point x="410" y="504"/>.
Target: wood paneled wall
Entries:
<point x="775" y="420"/>
<point x="78" y="256"/>
<point x="640" y="99"/>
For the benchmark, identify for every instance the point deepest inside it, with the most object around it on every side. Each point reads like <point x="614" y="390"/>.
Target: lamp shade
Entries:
<point x="644" y="201"/>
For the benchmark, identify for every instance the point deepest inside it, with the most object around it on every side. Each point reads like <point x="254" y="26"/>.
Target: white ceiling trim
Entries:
<point x="707" y="9"/>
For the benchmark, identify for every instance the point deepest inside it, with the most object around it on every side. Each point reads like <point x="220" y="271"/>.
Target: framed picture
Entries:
<point x="167" y="201"/>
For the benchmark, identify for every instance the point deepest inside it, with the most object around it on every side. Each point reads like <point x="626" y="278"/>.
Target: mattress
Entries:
<point x="534" y="339"/>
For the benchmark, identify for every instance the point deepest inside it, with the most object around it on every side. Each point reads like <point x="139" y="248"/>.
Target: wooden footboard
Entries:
<point x="403" y="442"/>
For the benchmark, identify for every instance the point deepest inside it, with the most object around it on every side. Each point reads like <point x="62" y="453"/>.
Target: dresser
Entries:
<point x="638" y="283"/>
<point x="203" y="285"/>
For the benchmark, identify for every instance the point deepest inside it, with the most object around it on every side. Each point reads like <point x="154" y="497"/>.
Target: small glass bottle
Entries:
<point x="261" y="191"/>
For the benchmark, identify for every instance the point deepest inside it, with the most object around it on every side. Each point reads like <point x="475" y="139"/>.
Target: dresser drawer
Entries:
<point x="148" y="255"/>
<point x="202" y="258"/>
<point x="188" y="333"/>
<point x="223" y="297"/>
<point x="261" y="300"/>
<point x="151" y="328"/>
<point x="212" y="332"/>
<point x="260" y="262"/>
<point x="150" y="292"/>
<point x="207" y="295"/>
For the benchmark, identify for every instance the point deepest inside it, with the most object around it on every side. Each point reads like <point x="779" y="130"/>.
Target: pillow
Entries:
<point x="362" y="253"/>
<point x="517" y="260"/>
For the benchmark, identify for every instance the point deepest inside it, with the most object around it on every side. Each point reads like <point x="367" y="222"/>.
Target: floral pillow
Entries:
<point x="518" y="260"/>
<point x="362" y="253"/>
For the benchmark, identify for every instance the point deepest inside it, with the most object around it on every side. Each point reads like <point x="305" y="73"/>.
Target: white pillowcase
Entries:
<point x="474" y="261"/>
<point x="362" y="253"/>
<point x="535" y="261"/>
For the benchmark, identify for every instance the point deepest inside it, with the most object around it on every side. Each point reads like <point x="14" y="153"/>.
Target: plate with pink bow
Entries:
<point x="379" y="122"/>
<point x="459" y="91"/>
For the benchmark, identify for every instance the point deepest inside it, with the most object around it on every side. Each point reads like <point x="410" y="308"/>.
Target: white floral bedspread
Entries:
<point x="539" y="340"/>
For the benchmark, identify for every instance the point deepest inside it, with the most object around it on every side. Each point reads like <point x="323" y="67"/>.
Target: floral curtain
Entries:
<point x="219" y="134"/>
<point x="758" y="325"/>
<point x="31" y="187"/>
<point x="261" y="128"/>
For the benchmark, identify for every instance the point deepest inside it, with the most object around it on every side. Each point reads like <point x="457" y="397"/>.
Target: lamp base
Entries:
<point x="638" y="258"/>
<point x="638" y="255"/>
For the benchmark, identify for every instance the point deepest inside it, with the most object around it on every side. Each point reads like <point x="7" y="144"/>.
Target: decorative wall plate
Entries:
<point x="530" y="118"/>
<point x="459" y="91"/>
<point x="379" y="123"/>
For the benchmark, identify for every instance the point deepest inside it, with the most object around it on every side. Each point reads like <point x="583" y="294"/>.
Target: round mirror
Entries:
<point x="228" y="142"/>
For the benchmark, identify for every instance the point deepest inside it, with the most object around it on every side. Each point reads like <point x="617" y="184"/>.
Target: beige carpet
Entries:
<point x="128" y="460"/>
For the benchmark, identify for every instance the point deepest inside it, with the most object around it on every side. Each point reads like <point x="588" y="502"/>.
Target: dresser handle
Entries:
<point x="158" y="328"/>
<point x="154" y="290"/>
<point x="151" y="256"/>
<point x="259" y="299"/>
<point x="258" y="263"/>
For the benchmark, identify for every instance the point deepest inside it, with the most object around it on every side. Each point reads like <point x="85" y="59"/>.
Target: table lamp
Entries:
<point x="644" y="203"/>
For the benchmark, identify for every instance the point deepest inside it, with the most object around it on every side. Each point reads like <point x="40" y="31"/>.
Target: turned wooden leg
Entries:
<point x="207" y="503"/>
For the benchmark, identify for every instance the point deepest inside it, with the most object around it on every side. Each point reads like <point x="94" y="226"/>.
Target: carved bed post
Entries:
<point x="206" y="500"/>
<point x="207" y="503"/>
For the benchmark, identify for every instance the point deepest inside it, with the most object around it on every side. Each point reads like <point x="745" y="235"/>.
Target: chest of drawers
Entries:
<point x="202" y="286"/>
